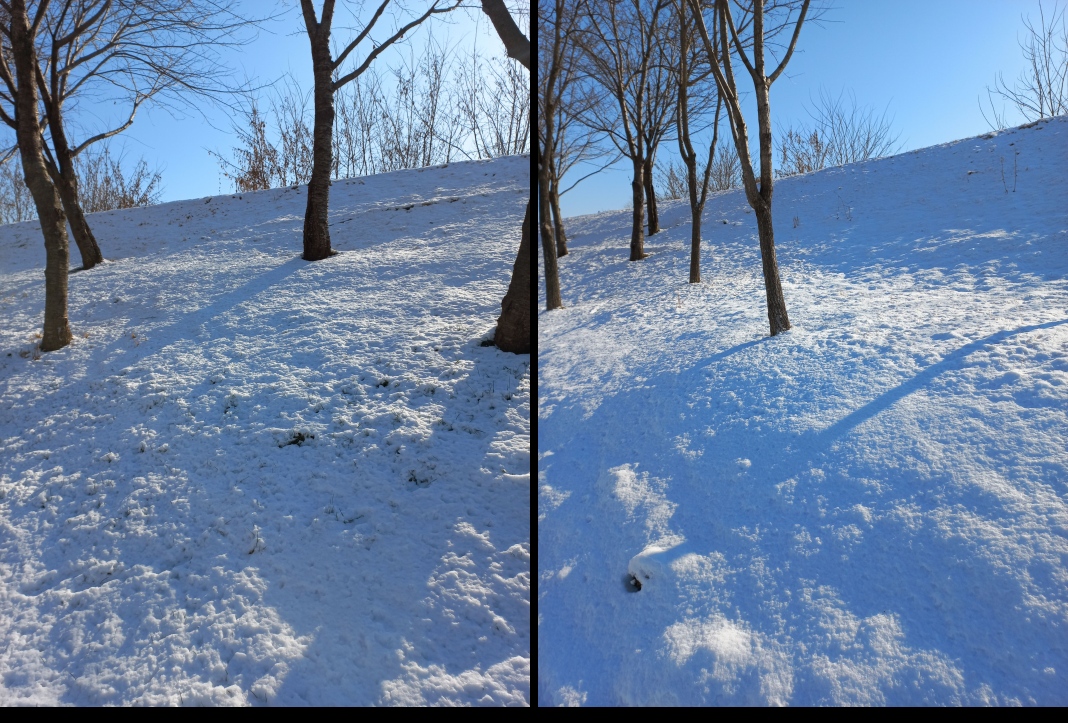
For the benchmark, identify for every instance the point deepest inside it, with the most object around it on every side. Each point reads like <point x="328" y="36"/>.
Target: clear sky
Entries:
<point x="178" y="144"/>
<point x="925" y="61"/>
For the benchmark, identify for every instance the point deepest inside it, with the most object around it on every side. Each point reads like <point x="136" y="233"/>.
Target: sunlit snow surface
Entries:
<point x="253" y="479"/>
<point x="869" y="509"/>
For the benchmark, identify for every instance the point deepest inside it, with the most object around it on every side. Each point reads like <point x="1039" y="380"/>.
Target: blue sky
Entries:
<point x="179" y="143"/>
<point x="926" y="62"/>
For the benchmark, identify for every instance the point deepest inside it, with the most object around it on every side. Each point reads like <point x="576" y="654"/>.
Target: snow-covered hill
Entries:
<point x="869" y="509"/>
<point x="253" y="479"/>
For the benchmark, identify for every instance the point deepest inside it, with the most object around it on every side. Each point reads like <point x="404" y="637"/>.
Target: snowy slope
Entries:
<point x="252" y="479"/>
<point x="869" y="509"/>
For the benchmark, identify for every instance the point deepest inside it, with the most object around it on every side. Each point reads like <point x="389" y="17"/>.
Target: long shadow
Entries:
<point x="953" y="360"/>
<point x="187" y="323"/>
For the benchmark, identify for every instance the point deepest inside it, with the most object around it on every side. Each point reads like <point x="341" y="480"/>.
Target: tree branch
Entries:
<point x="517" y="44"/>
<point x="793" y="44"/>
<point x="434" y="10"/>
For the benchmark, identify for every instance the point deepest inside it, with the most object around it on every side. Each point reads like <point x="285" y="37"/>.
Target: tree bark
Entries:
<point x="548" y="245"/>
<point x="56" y="332"/>
<point x="637" y="233"/>
<point x="65" y="178"/>
<point x="695" y="245"/>
<point x="650" y="196"/>
<point x="316" y="216"/>
<point x="777" y="317"/>
<point x="79" y="226"/>
<point x="513" y="325"/>
<point x="558" y="217"/>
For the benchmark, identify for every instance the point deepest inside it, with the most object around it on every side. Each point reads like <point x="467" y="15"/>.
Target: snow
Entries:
<point x="869" y="509"/>
<point x="256" y="480"/>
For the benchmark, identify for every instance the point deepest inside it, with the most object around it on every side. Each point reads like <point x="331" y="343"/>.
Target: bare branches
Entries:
<point x="493" y="105"/>
<point x="433" y="106"/>
<point x="840" y="133"/>
<point x="434" y="9"/>
<point x="111" y="133"/>
<point x="1041" y="91"/>
<point x="106" y="186"/>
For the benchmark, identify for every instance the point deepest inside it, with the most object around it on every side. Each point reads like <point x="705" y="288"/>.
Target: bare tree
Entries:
<point x="690" y="74"/>
<point x="295" y="147"/>
<point x="513" y="332"/>
<point x="620" y="41"/>
<point x="758" y="193"/>
<point x="411" y="122"/>
<point x="1041" y="91"/>
<point x="328" y="75"/>
<point x="660" y="109"/>
<point x="18" y="70"/>
<point x="839" y="134"/>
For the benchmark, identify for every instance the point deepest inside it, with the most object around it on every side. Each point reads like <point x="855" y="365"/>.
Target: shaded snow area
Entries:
<point x="253" y="479"/>
<point x="869" y="509"/>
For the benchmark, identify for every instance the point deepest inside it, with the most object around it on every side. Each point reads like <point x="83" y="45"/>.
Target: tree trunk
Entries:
<point x="552" y="273"/>
<point x="696" y="207"/>
<point x="558" y="217"/>
<point x="637" y="232"/>
<point x="777" y="317"/>
<point x="695" y="245"/>
<point x="66" y="181"/>
<point x="83" y="235"/>
<point x="513" y="325"/>
<point x="56" y="333"/>
<point x="650" y="196"/>
<point x="316" y="217"/>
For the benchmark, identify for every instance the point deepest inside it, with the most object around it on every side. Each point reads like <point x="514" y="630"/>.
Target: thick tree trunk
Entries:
<point x="650" y="196"/>
<point x="637" y="232"/>
<point x="558" y="217"/>
<point x="316" y="217"/>
<point x="548" y="245"/>
<point x="777" y="317"/>
<point x="66" y="181"/>
<point x="56" y="333"/>
<point x="513" y="325"/>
